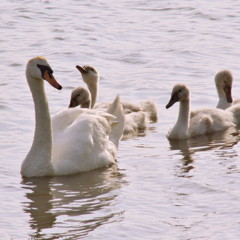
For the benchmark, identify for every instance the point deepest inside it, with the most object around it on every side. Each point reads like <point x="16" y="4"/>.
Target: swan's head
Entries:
<point x="38" y="69"/>
<point x="223" y="81"/>
<point x="89" y="74"/>
<point x="180" y="93"/>
<point x="80" y="96"/>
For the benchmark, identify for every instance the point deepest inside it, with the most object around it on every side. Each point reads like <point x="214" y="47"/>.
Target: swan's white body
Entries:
<point x="137" y="115"/>
<point x="205" y="121"/>
<point x="75" y="140"/>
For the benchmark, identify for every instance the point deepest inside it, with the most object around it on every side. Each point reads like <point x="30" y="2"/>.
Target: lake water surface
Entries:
<point x="180" y="190"/>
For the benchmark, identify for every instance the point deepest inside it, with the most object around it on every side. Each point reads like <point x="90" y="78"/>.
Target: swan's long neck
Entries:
<point x="222" y="98"/>
<point x="181" y="127"/>
<point x="38" y="160"/>
<point x="223" y="103"/>
<point x="93" y="88"/>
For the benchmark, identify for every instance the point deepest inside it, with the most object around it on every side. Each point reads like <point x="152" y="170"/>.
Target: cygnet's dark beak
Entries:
<point x="81" y="69"/>
<point x="172" y="100"/>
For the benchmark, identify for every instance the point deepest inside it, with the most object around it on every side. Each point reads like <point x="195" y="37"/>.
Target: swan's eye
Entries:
<point x="86" y="69"/>
<point x="90" y="69"/>
<point x="44" y="68"/>
<point x="50" y="72"/>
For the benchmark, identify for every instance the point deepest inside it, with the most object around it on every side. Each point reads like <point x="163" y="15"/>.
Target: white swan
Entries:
<point x="135" y="122"/>
<point x="203" y="122"/>
<point x="76" y="140"/>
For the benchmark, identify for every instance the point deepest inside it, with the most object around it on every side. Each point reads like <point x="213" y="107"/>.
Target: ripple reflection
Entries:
<point x="189" y="147"/>
<point x="74" y="202"/>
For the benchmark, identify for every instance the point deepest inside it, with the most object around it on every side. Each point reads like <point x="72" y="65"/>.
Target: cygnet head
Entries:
<point x="38" y="69"/>
<point x="223" y="81"/>
<point x="80" y="96"/>
<point x="89" y="74"/>
<point x="180" y="93"/>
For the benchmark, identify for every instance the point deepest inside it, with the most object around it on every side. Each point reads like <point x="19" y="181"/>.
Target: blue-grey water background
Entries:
<point x="159" y="189"/>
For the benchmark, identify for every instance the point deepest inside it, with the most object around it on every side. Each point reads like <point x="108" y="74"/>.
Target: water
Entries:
<point x="159" y="189"/>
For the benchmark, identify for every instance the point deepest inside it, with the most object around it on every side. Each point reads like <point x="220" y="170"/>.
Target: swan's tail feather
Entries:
<point x="116" y="109"/>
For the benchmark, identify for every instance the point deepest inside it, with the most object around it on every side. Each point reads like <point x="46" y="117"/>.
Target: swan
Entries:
<point x="223" y="82"/>
<point x="80" y="96"/>
<point x="203" y="122"/>
<point x="74" y="140"/>
<point x="135" y="122"/>
<point x="91" y="77"/>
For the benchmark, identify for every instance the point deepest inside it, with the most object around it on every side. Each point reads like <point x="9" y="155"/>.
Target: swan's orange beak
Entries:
<point x="51" y="80"/>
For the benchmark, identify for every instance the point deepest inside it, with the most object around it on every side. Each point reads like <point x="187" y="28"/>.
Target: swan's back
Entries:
<point x="81" y="141"/>
<point x="234" y="110"/>
<point x="207" y="121"/>
<point x="135" y="123"/>
<point x="147" y="106"/>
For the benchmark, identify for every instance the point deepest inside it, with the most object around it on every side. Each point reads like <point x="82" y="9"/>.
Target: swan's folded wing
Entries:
<point x="65" y="118"/>
<point x="81" y="141"/>
<point x="206" y="121"/>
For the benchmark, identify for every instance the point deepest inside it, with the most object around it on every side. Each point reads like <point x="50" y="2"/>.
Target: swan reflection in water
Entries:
<point x="72" y="206"/>
<point x="188" y="147"/>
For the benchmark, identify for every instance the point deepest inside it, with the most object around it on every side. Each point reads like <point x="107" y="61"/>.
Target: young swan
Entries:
<point x="223" y="82"/>
<point x="204" y="121"/>
<point x="80" y="96"/>
<point x="137" y="115"/>
<point x="135" y="122"/>
<point x="91" y="77"/>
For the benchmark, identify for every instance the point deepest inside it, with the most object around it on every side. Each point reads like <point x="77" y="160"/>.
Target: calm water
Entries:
<point x="159" y="189"/>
